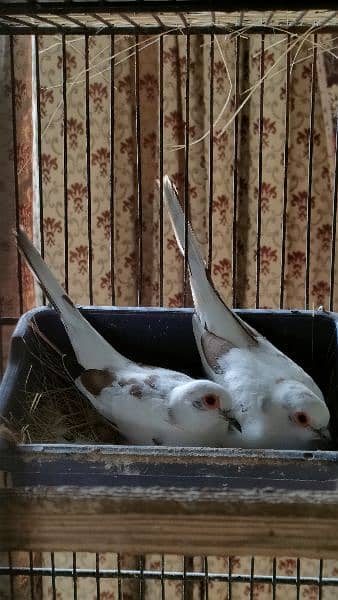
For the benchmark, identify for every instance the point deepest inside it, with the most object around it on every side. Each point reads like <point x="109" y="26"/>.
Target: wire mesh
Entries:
<point x="135" y="16"/>
<point x="197" y="582"/>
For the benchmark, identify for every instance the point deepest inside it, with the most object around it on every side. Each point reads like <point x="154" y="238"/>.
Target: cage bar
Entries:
<point x="320" y="580"/>
<point x="15" y="167"/>
<point x="252" y="575"/>
<point x="211" y="150"/>
<point x="230" y="576"/>
<point x="112" y="167"/>
<point x="162" y="578"/>
<point x="161" y="272"/>
<point x="186" y="170"/>
<point x="11" y="577"/>
<point x="334" y="221"/>
<point x="310" y="168"/>
<point x="65" y="157"/>
<point x="88" y="167"/>
<point x="298" y="580"/>
<point x="119" y="582"/>
<point x="2" y="366"/>
<point x="260" y="169"/>
<point x="299" y="18"/>
<point x="144" y="30"/>
<point x="129" y="20"/>
<point x="154" y="575"/>
<point x="74" y="576"/>
<point x="206" y="578"/>
<point x="139" y="176"/>
<point x="97" y="575"/>
<point x="274" y="569"/>
<point x="53" y="575"/>
<point x="38" y="132"/>
<point x="31" y="575"/>
<point x="141" y="577"/>
<point x="75" y="22"/>
<point x="185" y="6"/>
<point x="286" y="170"/>
<point x="235" y="173"/>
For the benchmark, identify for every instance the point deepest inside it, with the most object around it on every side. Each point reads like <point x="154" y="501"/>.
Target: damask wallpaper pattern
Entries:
<point x="114" y="88"/>
<point x="123" y="164"/>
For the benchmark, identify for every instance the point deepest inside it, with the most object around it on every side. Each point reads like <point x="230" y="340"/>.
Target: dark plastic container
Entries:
<point x="164" y="337"/>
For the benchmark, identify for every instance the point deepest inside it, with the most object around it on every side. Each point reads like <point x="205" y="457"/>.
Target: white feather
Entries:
<point x="212" y="311"/>
<point x="91" y="349"/>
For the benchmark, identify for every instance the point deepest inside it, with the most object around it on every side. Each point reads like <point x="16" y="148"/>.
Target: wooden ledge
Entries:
<point x="184" y="501"/>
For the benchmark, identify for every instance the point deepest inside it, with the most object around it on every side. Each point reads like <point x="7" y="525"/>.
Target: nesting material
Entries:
<point x="52" y="410"/>
<point x="60" y="415"/>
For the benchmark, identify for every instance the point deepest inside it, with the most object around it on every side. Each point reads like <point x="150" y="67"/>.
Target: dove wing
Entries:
<point x="134" y="399"/>
<point x="91" y="349"/>
<point x="213" y="313"/>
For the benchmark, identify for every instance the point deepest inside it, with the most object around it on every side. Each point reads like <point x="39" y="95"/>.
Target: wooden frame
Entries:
<point x="172" y="500"/>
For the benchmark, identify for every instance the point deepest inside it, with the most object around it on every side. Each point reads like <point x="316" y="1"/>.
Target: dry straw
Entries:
<point x="51" y="409"/>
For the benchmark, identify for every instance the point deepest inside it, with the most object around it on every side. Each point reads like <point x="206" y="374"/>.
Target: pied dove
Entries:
<point x="276" y="402"/>
<point x="148" y="405"/>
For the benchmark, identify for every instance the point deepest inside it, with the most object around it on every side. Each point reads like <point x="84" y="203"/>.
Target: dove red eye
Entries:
<point x="301" y="419"/>
<point x="211" y="402"/>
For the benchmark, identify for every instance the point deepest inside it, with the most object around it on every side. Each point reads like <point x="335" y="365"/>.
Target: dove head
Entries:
<point x="300" y="416"/>
<point x="202" y="406"/>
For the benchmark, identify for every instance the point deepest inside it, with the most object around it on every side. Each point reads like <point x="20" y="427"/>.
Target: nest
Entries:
<point x="49" y="408"/>
<point x="59" y="415"/>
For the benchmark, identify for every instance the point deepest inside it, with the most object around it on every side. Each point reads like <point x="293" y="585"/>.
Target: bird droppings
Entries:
<point x="95" y="380"/>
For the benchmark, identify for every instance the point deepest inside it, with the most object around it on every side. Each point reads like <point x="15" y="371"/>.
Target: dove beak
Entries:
<point x="324" y="434"/>
<point x="234" y="424"/>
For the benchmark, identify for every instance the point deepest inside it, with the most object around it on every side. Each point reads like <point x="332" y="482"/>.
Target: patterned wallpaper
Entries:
<point x="123" y="164"/>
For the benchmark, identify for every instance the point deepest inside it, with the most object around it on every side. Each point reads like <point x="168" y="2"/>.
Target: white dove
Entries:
<point x="277" y="404"/>
<point x="148" y="405"/>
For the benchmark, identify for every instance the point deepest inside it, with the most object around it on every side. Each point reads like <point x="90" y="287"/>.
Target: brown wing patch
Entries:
<point x="214" y="347"/>
<point x="94" y="380"/>
<point x="136" y="390"/>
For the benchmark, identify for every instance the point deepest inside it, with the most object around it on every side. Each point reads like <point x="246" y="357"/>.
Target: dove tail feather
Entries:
<point x="91" y="349"/>
<point x="211" y="309"/>
<point x="196" y="262"/>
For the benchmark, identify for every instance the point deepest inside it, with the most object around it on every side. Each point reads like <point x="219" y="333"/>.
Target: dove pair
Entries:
<point x="254" y="396"/>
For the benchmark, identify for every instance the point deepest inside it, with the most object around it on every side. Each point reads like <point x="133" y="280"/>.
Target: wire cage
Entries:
<point x="101" y="99"/>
